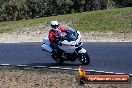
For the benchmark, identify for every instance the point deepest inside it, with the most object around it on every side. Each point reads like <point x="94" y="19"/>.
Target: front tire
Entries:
<point x="84" y="58"/>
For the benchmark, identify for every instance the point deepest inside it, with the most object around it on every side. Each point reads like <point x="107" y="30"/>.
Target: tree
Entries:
<point x="123" y="3"/>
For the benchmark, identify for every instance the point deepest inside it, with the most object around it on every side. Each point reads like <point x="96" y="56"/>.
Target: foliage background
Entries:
<point x="12" y="10"/>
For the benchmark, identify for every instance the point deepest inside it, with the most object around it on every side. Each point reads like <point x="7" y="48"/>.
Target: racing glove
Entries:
<point x="59" y="43"/>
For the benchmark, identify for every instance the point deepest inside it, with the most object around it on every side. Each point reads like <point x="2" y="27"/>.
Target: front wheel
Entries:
<point x="84" y="58"/>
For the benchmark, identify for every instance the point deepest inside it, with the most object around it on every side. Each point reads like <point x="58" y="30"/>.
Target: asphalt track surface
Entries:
<point x="110" y="57"/>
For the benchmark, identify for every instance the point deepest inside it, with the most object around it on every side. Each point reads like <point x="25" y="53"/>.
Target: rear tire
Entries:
<point x="57" y="58"/>
<point x="84" y="58"/>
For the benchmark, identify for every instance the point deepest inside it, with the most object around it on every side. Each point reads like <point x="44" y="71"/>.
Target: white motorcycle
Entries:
<point x="70" y="48"/>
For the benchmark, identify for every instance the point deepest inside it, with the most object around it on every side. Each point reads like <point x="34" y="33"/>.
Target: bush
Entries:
<point x="23" y="9"/>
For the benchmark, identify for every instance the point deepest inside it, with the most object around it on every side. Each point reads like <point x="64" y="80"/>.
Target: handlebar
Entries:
<point x="60" y="38"/>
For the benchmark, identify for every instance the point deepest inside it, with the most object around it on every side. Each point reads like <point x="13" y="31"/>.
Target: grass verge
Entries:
<point x="28" y="77"/>
<point x="115" y="20"/>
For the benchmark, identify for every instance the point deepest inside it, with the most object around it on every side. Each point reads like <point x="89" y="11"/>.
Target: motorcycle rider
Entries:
<point x="54" y="33"/>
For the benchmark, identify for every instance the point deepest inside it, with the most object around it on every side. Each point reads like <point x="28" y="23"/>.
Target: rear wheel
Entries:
<point x="84" y="58"/>
<point x="57" y="58"/>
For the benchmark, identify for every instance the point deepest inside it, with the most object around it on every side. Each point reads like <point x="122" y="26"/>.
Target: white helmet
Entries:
<point x="54" y="25"/>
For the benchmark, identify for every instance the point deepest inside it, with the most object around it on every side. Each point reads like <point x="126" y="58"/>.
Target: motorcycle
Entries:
<point x="70" y="48"/>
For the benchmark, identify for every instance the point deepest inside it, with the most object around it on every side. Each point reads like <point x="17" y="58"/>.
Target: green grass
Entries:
<point x="116" y="20"/>
<point x="6" y="30"/>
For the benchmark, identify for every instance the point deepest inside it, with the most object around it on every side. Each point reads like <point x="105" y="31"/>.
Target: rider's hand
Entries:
<point x="56" y="39"/>
<point x="59" y="43"/>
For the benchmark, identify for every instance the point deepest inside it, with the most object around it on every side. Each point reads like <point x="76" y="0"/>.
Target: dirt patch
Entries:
<point x="37" y="36"/>
<point x="45" y="78"/>
<point x="107" y="37"/>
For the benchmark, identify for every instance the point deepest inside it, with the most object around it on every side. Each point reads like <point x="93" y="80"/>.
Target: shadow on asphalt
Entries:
<point x="52" y="64"/>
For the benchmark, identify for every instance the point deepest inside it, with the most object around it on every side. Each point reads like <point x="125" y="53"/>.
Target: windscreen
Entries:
<point x="72" y="35"/>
